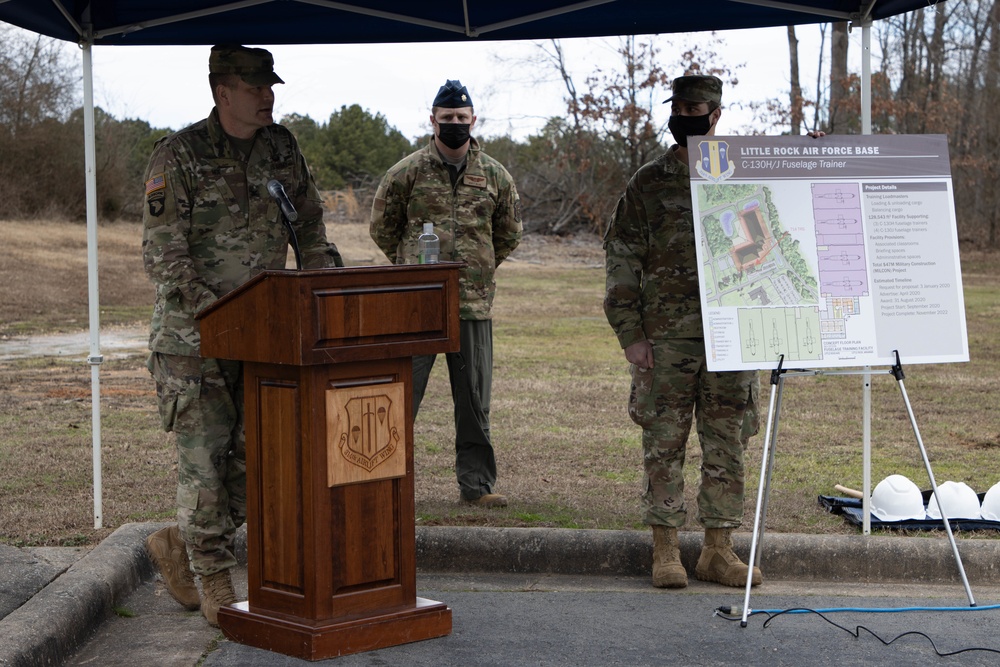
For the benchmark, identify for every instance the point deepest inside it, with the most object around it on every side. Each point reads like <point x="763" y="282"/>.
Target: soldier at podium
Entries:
<point x="209" y="225"/>
<point x="472" y="202"/>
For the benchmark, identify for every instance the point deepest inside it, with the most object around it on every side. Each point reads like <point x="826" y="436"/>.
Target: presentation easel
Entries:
<point x="778" y="376"/>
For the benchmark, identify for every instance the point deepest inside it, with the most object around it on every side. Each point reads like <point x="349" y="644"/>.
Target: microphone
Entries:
<point x="290" y="215"/>
<point x="278" y="192"/>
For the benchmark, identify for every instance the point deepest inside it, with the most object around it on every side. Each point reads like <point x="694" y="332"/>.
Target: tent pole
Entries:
<point x="866" y="77"/>
<point x="94" y="358"/>
<point x="866" y="394"/>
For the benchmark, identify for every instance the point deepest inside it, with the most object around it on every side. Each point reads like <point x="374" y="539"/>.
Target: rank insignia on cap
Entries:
<point x="452" y="95"/>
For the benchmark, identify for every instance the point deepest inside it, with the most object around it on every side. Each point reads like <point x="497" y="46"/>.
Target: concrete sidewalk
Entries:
<point x="84" y="588"/>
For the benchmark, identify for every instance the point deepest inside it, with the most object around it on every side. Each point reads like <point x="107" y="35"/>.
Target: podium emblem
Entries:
<point x="370" y="438"/>
<point x="364" y="433"/>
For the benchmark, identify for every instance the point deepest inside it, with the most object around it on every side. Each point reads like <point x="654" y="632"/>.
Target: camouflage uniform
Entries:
<point x="209" y="225"/>
<point x="653" y="294"/>
<point x="478" y="222"/>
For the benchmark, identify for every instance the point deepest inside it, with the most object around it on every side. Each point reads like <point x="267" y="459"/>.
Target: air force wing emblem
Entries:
<point x="370" y="437"/>
<point x="714" y="164"/>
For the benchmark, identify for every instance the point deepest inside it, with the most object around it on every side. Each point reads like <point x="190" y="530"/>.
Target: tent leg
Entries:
<point x="94" y="358"/>
<point x="866" y="454"/>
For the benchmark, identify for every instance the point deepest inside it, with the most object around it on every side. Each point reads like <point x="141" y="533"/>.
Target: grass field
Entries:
<point x="567" y="453"/>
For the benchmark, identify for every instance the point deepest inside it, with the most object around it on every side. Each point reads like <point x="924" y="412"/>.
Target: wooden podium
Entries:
<point x="329" y="435"/>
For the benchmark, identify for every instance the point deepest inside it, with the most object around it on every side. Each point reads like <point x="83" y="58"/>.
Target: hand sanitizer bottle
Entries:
<point x="428" y="245"/>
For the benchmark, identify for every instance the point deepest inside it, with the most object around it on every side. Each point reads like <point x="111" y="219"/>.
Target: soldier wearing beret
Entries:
<point x="473" y="205"/>
<point x="209" y="225"/>
<point x="653" y="304"/>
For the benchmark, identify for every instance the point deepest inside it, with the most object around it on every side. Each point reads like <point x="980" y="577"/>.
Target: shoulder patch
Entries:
<point x="474" y="180"/>
<point x="157" y="182"/>
<point x="156" y="204"/>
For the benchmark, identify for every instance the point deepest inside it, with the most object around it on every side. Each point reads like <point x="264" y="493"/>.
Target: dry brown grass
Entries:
<point x="567" y="453"/>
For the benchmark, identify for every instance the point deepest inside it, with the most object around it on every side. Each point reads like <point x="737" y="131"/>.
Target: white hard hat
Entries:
<point x="958" y="501"/>
<point x="896" y="498"/>
<point x="991" y="504"/>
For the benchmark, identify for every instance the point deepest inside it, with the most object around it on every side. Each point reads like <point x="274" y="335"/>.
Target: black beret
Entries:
<point x="452" y="95"/>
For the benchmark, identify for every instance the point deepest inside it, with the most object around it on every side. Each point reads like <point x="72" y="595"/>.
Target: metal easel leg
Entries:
<point x="773" y="433"/>
<point x="766" y="463"/>
<point x="897" y="372"/>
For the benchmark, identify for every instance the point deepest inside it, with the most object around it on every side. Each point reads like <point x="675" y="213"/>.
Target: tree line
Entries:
<point x="938" y="74"/>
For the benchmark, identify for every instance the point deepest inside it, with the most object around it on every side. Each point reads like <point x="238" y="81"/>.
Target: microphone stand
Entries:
<point x="294" y="240"/>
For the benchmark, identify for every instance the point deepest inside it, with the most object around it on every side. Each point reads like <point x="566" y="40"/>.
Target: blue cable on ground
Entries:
<point x="734" y="614"/>
<point x="875" y="610"/>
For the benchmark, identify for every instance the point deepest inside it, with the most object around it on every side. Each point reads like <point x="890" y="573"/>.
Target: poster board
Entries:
<point x="832" y="251"/>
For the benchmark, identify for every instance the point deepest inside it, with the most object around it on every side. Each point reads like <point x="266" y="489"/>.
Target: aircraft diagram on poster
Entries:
<point x="828" y="252"/>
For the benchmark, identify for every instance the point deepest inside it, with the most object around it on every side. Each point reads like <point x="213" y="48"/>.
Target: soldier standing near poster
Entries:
<point x="653" y="303"/>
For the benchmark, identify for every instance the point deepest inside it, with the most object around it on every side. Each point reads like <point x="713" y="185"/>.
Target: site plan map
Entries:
<point x="836" y="251"/>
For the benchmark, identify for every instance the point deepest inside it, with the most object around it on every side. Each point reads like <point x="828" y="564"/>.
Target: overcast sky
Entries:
<point x="167" y="86"/>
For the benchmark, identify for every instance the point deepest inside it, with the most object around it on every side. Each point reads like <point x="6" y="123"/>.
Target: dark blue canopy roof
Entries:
<point x="385" y="21"/>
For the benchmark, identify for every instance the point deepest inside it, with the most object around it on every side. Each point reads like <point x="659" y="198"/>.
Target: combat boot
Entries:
<point x="718" y="562"/>
<point x="217" y="591"/>
<point x="169" y="553"/>
<point x="667" y="569"/>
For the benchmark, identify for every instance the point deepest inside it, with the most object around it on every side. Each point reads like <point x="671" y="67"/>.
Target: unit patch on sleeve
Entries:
<point x="155" y="194"/>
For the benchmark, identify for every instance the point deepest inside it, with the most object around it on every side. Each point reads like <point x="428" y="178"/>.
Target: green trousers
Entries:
<point x="471" y="373"/>
<point x="664" y="400"/>
<point x="201" y="401"/>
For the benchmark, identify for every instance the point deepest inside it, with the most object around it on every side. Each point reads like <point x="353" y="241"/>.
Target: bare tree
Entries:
<point x="553" y="50"/>
<point x="939" y="72"/>
<point x="579" y="163"/>
<point x="795" y="92"/>
<point x="36" y="98"/>
<point x="991" y="129"/>
<point x="36" y="80"/>
<point x="620" y="103"/>
<point x="837" y="119"/>
<point x="819" y="77"/>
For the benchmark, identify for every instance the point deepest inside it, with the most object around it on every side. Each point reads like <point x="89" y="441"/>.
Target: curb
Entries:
<point x="56" y="621"/>
<point x="784" y="556"/>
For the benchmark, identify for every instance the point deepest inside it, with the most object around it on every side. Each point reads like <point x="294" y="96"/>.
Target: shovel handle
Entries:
<point x="850" y="493"/>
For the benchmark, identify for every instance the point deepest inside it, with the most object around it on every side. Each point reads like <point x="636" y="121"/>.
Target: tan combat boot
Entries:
<point x="169" y="553"/>
<point x="667" y="569"/>
<point x="718" y="562"/>
<point x="217" y="591"/>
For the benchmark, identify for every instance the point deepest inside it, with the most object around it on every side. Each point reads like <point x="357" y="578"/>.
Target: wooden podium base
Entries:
<point x="426" y="620"/>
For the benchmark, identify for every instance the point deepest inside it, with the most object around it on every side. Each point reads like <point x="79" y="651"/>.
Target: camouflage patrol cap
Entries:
<point x="696" y="88"/>
<point x="452" y="95"/>
<point x="255" y="66"/>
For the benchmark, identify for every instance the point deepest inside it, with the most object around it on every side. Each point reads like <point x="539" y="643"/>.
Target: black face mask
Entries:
<point x="683" y="127"/>
<point x="454" y="135"/>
